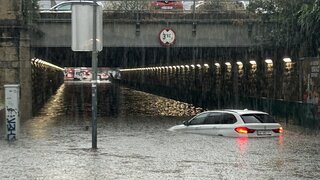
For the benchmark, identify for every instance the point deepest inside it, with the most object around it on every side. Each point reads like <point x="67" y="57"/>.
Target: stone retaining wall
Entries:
<point x="15" y="53"/>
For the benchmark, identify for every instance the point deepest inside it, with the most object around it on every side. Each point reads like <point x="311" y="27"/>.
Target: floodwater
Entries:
<point x="133" y="143"/>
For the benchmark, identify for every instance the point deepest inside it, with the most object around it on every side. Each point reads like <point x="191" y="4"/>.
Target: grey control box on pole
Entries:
<point x="12" y="111"/>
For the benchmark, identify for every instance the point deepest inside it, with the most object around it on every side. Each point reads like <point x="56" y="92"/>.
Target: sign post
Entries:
<point x="12" y="99"/>
<point x="87" y="36"/>
<point x="94" y="78"/>
<point x="83" y="29"/>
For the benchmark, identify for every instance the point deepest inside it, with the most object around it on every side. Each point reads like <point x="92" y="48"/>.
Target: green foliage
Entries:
<point x="309" y="21"/>
<point x="293" y="25"/>
<point x="219" y="5"/>
<point x="263" y="6"/>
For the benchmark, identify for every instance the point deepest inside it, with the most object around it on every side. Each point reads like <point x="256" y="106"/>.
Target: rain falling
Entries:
<point x="153" y="89"/>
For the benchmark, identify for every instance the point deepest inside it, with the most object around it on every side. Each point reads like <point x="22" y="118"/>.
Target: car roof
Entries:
<point x="72" y="2"/>
<point x="239" y="111"/>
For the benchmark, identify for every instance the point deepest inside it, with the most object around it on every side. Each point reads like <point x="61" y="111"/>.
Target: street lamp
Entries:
<point x="268" y="61"/>
<point x="253" y="62"/>
<point x="287" y="60"/>
<point x="240" y="65"/>
<point x="269" y="64"/>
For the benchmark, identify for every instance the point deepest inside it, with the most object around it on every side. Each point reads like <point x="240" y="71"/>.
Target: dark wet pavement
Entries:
<point x="133" y="143"/>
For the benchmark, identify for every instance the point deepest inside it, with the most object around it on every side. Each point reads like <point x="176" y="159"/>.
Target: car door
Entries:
<point x="226" y="124"/>
<point x="195" y="124"/>
<point x="211" y="123"/>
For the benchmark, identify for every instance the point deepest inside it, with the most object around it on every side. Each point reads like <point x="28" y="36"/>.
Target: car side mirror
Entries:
<point x="186" y="123"/>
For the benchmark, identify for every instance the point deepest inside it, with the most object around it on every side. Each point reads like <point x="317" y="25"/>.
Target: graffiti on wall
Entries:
<point x="12" y="111"/>
<point x="11" y="123"/>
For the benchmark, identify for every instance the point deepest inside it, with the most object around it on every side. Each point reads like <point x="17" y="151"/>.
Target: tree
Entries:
<point x="309" y="21"/>
<point x="291" y="25"/>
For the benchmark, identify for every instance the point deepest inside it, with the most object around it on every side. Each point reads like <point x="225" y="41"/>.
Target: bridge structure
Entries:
<point x="132" y="39"/>
<point x="217" y="60"/>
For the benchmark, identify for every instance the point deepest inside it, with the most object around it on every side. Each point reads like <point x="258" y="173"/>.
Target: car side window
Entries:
<point x="66" y="7"/>
<point x="198" y="119"/>
<point x="228" y="119"/>
<point x="213" y="118"/>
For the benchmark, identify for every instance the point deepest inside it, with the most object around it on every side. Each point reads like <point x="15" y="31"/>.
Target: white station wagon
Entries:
<point x="232" y="123"/>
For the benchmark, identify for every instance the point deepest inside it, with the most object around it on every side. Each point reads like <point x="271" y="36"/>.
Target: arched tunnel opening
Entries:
<point x="226" y="86"/>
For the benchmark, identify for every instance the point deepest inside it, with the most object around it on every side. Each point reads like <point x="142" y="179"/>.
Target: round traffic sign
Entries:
<point x="167" y="37"/>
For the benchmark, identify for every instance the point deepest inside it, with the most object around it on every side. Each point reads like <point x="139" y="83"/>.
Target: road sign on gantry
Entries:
<point x="82" y="27"/>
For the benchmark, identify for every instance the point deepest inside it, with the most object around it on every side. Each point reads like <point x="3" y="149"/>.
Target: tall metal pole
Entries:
<point x="194" y="10"/>
<point x="94" y="77"/>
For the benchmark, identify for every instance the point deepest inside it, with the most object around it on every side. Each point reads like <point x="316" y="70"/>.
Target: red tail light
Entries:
<point x="244" y="130"/>
<point x="279" y="130"/>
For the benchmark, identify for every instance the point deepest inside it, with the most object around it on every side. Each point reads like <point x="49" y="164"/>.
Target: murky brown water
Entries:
<point x="133" y="143"/>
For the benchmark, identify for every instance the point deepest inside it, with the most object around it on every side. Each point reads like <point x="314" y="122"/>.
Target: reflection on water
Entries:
<point x="55" y="104"/>
<point x="74" y="100"/>
<point x="72" y="105"/>
<point x="49" y="114"/>
<point x="133" y="143"/>
<point x="242" y="144"/>
<point x="141" y="103"/>
<point x="280" y="141"/>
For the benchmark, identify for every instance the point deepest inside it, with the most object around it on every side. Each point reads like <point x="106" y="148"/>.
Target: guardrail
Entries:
<point x="143" y="15"/>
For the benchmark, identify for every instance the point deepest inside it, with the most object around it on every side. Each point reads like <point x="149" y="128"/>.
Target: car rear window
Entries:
<point x="257" y="118"/>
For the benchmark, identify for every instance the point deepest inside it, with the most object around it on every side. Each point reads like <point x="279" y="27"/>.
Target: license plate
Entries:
<point x="166" y="7"/>
<point x="264" y="132"/>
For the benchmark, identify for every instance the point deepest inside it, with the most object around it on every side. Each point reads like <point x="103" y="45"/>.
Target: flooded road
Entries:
<point x="133" y="143"/>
